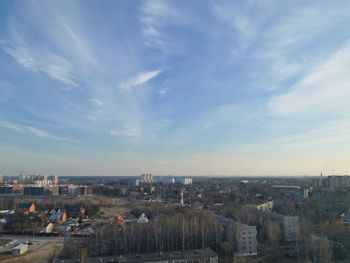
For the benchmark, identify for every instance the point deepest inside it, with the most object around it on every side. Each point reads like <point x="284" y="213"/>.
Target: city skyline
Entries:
<point x="174" y="87"/>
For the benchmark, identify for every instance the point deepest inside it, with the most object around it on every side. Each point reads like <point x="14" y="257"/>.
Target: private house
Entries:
<point x="142" y="219"/>
<point x="76" y="210"/>
<point x="119" y="220"/>
<point x="20" y="249"/>
<point x="27" y="208"/>
<point x="58" y="217"/>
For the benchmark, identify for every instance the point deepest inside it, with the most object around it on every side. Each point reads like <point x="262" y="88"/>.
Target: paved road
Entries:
<point x="23" y="238"/>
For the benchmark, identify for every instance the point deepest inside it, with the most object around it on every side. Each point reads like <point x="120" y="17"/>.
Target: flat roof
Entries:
<point x="20" y="246"/>
<point x="186" y="254"/>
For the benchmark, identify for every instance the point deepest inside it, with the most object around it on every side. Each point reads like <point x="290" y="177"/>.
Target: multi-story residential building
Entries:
<point x="245" y="237"/>
<point x="6" y="190"/>
<point x="332" y="182"/>
<point x="184" y="180"/>
<point x="164" y="179"/>
<point x="33" y="190"/>
<point x="52" y="190"/>
<point x="146" y="178"/>
<point x="63" y="189"/>
<point x="54" y="179"/>
<point x="289" y="225"/>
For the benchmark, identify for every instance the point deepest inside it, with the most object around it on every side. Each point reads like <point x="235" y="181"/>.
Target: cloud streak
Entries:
<point x="325" y="89"/>
<point x="139" y="79"/>
<point x="35" y="132"/>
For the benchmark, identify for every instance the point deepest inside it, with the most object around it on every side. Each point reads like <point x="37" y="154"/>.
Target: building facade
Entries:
<point x="245" y="237"/>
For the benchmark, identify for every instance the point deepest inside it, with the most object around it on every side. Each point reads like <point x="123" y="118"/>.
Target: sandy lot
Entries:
<point x="42" y="255"/>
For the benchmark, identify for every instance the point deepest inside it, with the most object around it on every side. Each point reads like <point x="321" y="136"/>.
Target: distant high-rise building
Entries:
<point x="55" y="180"/>
<point x="184" y="180"/>
<point x="146" y="178"/>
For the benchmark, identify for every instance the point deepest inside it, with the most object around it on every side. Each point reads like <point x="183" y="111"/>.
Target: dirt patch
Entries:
<point x="42" y="255"/>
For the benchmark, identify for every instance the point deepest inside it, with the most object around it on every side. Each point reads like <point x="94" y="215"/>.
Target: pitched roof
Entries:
<point x="25" y="205"/>
<point x="142" y="219"/>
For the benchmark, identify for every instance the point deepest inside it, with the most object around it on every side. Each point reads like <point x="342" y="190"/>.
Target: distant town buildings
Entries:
<point x="37" y="185"/>
<point x="148" y="178"/>
<point x="332" y="182"/>
<point x="184" y="180"/>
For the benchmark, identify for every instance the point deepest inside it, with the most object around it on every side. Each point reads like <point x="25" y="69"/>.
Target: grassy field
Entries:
<point x="3" y="242"/>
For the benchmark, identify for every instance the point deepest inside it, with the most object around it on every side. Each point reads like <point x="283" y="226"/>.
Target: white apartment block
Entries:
<point x="245" y="239"/>
<point x="291" y="227"/>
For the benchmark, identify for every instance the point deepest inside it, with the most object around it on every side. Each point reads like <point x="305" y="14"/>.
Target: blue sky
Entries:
<point x="174" y="87"/>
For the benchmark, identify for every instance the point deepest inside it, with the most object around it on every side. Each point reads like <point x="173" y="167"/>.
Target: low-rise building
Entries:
<point x="76" y="210"/>
<point x="142" y="219"/>
<point x="20" y="249"/>
<point x="27" y="208"/>
<point x="199" y="256"/>
<point x="267" y="206"/>
<point x="345" y="218"/>
<point x="58" y="217"/>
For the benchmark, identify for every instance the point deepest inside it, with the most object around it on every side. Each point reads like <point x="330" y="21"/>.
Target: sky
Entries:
<point x="175" y="87"/>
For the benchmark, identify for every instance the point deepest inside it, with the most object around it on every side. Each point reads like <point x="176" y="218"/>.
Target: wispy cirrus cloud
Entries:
<point x="323" y="90"/>
<point x="95" y="102"/>
<point x="45" y="62"/>
<point x="155" y="17"/>
<point x="62" y="58"/>
<point x="34" y="131"/>
<point x="139" y="79"/>
<point x="130" y="129"/>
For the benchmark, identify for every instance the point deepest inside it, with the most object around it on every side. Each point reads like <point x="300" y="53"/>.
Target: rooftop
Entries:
<point x="187" y="254"/>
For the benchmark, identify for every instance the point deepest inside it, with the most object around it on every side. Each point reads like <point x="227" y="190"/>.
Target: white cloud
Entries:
<point x="130" y="132"/>
<point x="34" y="131"/>
<point x="325" y="89"/>
<point x="139" y="79"/>
<point x="39" y="59"/>
<point x="162" y="92"/>
<point x="154" y="17"/>
<point x="95" y="101"/>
